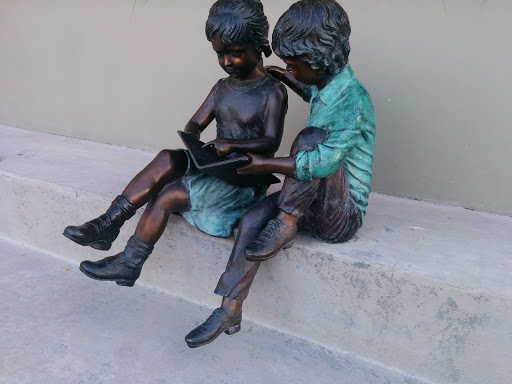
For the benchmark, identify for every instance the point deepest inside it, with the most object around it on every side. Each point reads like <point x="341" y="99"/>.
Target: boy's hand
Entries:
<point x="221" y="146"/>
<point x="276" y="72"/>
<point x="287" y="78"/>
<point x="257" y="166"/>
<point x="261" y="165"/>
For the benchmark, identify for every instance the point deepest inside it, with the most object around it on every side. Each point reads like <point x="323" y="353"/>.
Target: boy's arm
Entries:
<point x="274" y="124"/>
<point x="322" y="161"/>
<point x="347" y="124"/>
<point x="286" y="77"/>
<point x="202" y="117"/>
<point x="261" y="165"/>
<point x="326" y="157"/>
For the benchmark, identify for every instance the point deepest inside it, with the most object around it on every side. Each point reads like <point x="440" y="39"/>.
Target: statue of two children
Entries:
<point x="327" y="174"/>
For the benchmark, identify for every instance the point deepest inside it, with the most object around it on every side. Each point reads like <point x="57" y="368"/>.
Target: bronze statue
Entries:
<point x="328" y="172"/>
<point x="249" y="107"/>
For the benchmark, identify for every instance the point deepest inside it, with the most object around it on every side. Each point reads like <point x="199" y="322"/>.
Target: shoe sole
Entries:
<point x="122" y="283"/>
<point x="230" y="331"/>
<point x="101" y="245"/>
<point x="266" y="257"/>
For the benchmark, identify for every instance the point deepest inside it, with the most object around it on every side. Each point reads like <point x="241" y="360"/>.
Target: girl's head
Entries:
<point x="239" y="22"/>
<point x="314" y="31"/>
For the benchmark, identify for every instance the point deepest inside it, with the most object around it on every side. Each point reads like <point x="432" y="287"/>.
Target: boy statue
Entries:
<point x="328" y="172"/>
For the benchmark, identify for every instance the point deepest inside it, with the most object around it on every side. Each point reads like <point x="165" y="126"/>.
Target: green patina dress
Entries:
<point x="216" y="206"/>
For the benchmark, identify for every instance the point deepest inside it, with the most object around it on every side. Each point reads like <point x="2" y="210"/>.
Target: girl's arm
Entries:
<point x="274" y="124"/>
<point x="286" y="77"/>
<point x="202" y="117"/>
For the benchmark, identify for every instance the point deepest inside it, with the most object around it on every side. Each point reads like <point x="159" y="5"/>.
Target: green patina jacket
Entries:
<point x="343" y="108"/>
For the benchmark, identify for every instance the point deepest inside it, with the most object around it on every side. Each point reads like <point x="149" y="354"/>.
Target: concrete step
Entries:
<point x="58" y="327"/>
<point x="423" y="288"/>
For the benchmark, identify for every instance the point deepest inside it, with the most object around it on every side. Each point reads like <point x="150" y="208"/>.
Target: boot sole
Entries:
<point x="230" y="331"/>
<point x="266" y="257"/>
<point x="102" y="245"/>
<point x="122" y="283"/>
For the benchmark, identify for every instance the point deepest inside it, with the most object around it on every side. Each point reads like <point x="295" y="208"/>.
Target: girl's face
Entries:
<point x="237" y="60"/>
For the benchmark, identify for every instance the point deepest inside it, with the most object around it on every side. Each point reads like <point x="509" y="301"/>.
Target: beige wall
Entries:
<point x="439" y="76"/>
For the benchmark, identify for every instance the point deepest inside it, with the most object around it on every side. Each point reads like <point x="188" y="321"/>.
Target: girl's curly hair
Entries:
<point x="239" y="22"/>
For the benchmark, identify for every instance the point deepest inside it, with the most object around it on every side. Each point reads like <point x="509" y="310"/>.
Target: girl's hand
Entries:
<point x="193" y="129"/>
<point x="257" y="166"/>
<point x="276" y="72"/>
<point x="221" y="146"/>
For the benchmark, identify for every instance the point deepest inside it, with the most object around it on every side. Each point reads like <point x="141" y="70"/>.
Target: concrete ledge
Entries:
<point x="89" y="333"/>
<point x="423" y="288"/>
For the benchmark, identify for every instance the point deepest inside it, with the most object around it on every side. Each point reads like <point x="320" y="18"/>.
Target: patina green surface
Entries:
<point x="343" y="108"/>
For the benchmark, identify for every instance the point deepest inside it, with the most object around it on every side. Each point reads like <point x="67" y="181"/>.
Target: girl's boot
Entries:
<point x="123" y="268"/>
<point x="102" y="231"/>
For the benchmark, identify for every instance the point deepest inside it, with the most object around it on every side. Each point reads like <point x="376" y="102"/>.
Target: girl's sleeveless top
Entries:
<point x="240" y="112"/>
<point x="216" y="206"/>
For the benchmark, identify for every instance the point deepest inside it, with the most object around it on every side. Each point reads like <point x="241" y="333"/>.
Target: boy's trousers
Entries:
<point x="323" y="205"/>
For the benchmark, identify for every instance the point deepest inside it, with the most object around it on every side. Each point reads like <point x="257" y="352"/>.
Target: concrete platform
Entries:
<point x="423" y="288"/>
<point x="58" y="327"/>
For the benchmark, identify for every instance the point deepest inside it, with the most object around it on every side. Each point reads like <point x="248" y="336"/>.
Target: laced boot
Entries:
<point x="275" y="236"/>
<point x="218" y="322"/>
<point x="123" y="268"/>
<point x="102" y="231"/>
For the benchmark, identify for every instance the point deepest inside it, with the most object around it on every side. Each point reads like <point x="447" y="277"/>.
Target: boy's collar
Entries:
<point x="333" y="87"/>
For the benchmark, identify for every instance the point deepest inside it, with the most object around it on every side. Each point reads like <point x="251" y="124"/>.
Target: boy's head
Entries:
<point x="314" y="31"/>
<point x="238" y="22"/>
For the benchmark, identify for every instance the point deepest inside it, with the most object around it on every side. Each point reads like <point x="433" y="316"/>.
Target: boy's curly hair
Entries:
<point x="316" y="31"/>
<point x="239" y="22"/>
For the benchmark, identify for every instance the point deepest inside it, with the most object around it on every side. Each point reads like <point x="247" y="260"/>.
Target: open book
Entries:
<point x="224" y="168"/>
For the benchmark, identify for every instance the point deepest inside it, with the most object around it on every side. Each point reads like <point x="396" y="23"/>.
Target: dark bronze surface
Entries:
<point x="312" y="38"/>
<point x="249" y="107"/>
<point x="99" y="233"/>
<point x="219" y="321"/>
<point x="123" y="268"/>
<point x="206" y="159"/>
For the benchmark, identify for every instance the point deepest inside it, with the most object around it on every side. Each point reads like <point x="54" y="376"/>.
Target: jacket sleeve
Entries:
<point x="342" y="122"/>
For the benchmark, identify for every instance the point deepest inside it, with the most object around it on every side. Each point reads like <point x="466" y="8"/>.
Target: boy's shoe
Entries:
<point x="275" y="236"/>
<point x="218" y="322"/>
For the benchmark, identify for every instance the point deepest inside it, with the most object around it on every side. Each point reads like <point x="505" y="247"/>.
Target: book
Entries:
<point x="224" y="168"/>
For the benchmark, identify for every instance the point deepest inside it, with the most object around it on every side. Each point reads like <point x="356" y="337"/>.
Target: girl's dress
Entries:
<point x="215" y="205"/>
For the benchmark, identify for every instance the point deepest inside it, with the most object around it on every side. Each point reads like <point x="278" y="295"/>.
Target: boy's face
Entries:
<point x="237" y="60"/>
<point x="302" y="71"/>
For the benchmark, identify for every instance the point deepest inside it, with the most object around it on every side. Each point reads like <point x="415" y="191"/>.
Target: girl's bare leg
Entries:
<point x="125" y="267"/>
<point x="99" y="233"/>
<point x="173" y="198"/>
<point x="166" y="167"/>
